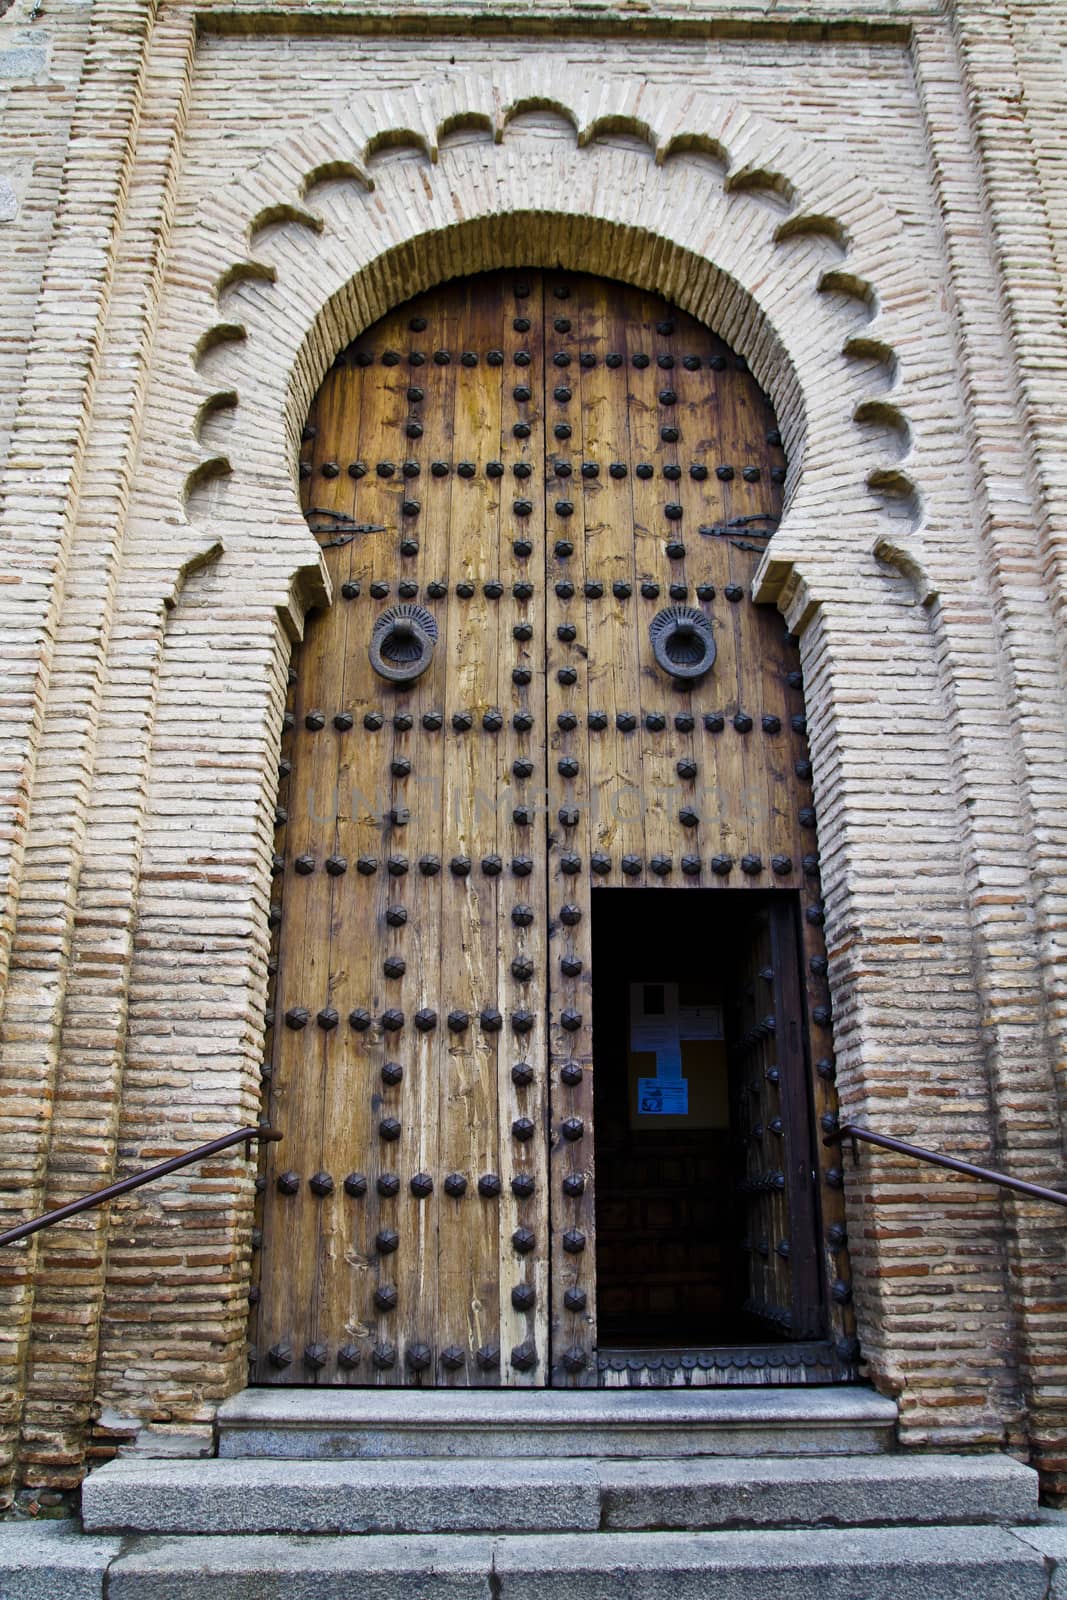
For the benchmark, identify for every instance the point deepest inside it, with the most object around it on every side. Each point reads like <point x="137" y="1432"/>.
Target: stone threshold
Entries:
<point x="312" y="1423"/>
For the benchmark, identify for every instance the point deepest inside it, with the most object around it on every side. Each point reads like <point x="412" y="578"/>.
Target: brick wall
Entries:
<point x="864" y="202"/>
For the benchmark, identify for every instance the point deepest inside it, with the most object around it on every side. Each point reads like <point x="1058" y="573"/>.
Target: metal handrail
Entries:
<point x="853" y="1131"/>
<point x="100" y="1197"/>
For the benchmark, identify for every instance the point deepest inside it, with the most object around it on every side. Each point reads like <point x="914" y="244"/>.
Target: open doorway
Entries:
<point x="706" y="1208"/>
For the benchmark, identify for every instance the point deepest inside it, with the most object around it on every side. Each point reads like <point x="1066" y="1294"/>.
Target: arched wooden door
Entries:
<point x="514" y="478"/>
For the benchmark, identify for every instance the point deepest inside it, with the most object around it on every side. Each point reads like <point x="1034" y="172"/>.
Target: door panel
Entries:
<point x="544" y="462"/>
<point x="771" y="1120"/>
<point x="408" y="1075"/>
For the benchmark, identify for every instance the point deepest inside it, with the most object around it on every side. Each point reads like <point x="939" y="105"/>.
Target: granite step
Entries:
<point x="833" y="1564"/>
<point x="502" y="1495"/>
<point x="309" y="1424"/>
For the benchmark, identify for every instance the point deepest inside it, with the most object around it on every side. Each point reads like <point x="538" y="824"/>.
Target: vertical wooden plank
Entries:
<point x="406" y="1304"/>
<point x="469" y="1260"/>
<point x="743" y="777"/>
<point x="522" y="908"/>
<point x="751" y="623"/>
<point x="795" y="1136"/>
<point x="358" y="1102"/>
<point x="665" y="699"/>
<point x="760" y="1122"/>
<point x="339" y="420"/>
<point x="611" y="665"/>
<point x="417" y="784"/>
<point x="706" y="781"/>
<point x="654" y="571"/>
<point x="577" y="583"/>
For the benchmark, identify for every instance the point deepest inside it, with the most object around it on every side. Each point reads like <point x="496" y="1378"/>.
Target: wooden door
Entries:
<point x="771" y="1123"/>
<point x="549" y="466"/>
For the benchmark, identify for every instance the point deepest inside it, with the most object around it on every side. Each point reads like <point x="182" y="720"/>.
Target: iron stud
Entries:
<point x="524" y="1356"/>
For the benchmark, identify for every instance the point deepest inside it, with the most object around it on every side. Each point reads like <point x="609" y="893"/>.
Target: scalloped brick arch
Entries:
<point x="729" y="216"/>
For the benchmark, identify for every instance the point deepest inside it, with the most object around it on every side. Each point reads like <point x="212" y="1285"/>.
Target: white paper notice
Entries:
<point x="662" y="1097"/>
<point x="700" y="1022"/>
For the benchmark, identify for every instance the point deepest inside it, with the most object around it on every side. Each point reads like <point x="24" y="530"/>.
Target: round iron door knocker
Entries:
<point x="402" y="643"/>
<point x="682" y="642"/>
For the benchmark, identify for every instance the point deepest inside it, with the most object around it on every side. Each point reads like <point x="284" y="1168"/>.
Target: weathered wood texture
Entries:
<point x="771" y="1116"/>
<point x="544" y="462"/>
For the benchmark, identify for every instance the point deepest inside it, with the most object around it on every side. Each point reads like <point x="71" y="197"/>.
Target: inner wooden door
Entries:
<point x="549" y="492"/>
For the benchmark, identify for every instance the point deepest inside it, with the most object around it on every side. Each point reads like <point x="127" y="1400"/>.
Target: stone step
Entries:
<point x="304" y="1424"/>
<point x="877" y="1564"/>
<point x="501" y="1495"/>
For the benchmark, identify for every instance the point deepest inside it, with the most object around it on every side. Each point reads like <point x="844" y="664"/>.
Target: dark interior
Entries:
<point x="672" y="1270"/>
